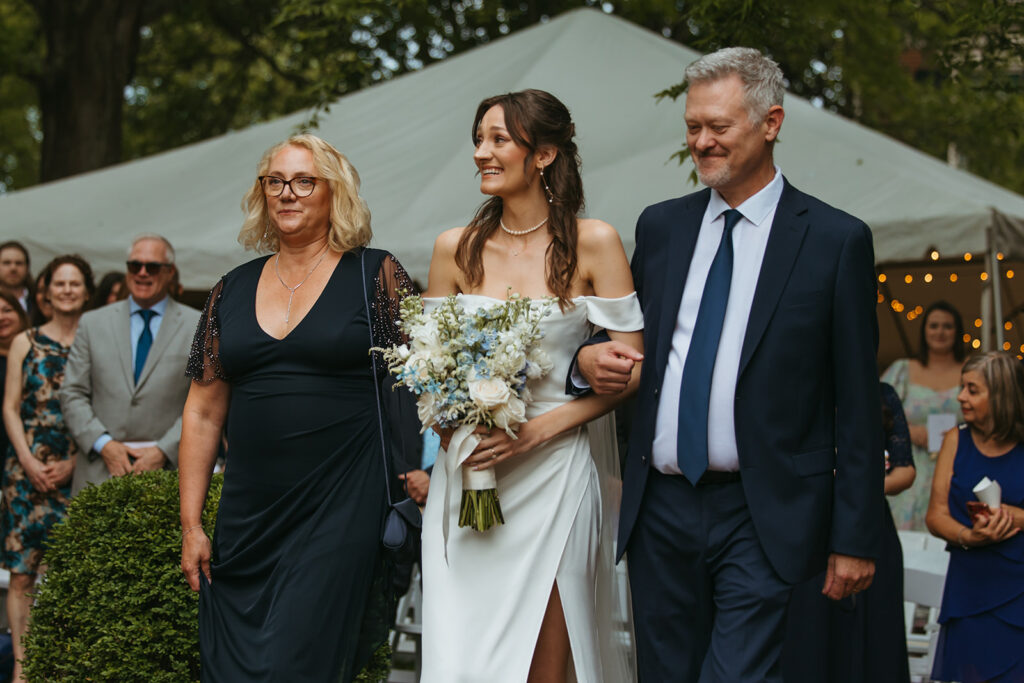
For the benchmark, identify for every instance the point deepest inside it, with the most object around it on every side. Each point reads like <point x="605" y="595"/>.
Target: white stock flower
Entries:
<point x="426" y="408"/>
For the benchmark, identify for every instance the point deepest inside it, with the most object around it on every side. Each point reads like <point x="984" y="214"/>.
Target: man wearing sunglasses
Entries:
<point x="124" y="386"/>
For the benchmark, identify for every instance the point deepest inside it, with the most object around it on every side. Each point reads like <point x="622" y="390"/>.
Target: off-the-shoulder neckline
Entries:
<point x="582" y="297"/>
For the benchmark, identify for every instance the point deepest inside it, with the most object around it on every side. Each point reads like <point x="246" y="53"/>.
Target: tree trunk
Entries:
<point x="91" y="49"/>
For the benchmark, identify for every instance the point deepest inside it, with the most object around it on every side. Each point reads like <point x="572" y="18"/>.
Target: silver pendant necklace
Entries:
<point x="291" y="290"/>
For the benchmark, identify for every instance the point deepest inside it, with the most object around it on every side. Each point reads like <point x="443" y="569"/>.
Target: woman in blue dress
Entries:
<point x="982" y="616"/>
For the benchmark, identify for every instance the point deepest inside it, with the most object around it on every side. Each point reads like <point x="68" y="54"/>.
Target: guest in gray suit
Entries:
<point x="124" y="386"/>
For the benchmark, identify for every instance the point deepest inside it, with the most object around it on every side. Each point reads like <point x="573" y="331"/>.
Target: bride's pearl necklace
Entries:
<point x="519" y="233"/>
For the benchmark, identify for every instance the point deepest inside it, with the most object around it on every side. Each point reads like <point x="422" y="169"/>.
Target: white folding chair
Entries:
<point x="924" y="579"/>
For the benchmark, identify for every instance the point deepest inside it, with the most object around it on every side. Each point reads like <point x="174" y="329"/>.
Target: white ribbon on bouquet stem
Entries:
<point x="461" y="446"/>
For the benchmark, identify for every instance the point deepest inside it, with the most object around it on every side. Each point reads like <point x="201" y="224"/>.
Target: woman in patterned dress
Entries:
<point x="36" y="479"/>
<point x="927" y="385"/>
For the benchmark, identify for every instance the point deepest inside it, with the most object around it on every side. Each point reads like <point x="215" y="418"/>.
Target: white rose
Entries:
<point x="510" y="414"/>
<point x="489" y="393"/>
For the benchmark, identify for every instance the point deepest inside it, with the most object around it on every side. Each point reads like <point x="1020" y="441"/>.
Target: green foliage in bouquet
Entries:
<point x="480" y="509"/>
<point x="114" y="605"/>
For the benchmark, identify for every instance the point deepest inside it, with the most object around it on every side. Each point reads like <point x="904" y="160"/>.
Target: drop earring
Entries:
<point x="547" y="190"/>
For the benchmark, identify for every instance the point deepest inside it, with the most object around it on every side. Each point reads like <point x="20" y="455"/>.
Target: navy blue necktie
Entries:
<point x="695" y="390"/>
<point x="145" y="341"/>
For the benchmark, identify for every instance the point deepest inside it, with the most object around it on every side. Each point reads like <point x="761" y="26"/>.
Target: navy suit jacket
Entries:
<point x="807" y="404"/>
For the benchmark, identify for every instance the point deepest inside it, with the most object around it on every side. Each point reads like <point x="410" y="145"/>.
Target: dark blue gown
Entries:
<point x="982" y="616"/>
<point x="299" y="586"/>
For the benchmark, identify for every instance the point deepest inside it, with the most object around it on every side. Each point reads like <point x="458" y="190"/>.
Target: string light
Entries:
<point x="1009" y="275"/>
<point x="976" y="344"/>
<point x="1007" y="325"/>
<point x="1022" y="348"/>
<point x="984" y="276"/>
<point x="881" y="277"/>
<point x="977" y="322"/>
<point x="934" y="255"/>
<point x="908" y="278"/>
<point x="967" y="339"/>
<point x="967" y="256"/>
<point x="881" y="297"/>
<point x="1006" y="346"/>
<point x="911" y="315"/>
<point x="919" y="310"/>
<point x="952" y="277"/>
<point x="999" y="256"/>
<point x="927" y="277"/>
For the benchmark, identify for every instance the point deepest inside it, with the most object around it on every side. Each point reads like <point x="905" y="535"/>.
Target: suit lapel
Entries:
<point x="787" y="233"/>
<point x="168" y="329"/>
<point x="122" y="330"/>
<point x="682" y="241"/>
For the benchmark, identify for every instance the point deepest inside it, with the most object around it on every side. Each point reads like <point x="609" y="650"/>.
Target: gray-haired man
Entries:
<point x="124" y="384"/>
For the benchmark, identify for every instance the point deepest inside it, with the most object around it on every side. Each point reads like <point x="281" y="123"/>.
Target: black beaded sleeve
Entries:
<point x="897" y="440"/>
<point x="204" y="359"/>
<point x="392" y="285"/>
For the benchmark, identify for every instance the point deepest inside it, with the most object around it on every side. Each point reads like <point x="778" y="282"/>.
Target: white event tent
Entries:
<point x="410" y="140"/>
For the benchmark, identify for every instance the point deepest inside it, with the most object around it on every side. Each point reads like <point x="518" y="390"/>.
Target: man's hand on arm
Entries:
<point x="607" y="367"/>
<point x="115" y="456"/>
<point x="847" y="575"/>
<point x="147" y="459"/>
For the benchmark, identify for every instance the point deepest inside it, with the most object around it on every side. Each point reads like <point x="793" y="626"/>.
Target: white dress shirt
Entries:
<point x="749" y="240"/>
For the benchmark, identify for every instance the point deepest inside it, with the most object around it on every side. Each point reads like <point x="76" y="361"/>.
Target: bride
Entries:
<point x="535" y="599"/>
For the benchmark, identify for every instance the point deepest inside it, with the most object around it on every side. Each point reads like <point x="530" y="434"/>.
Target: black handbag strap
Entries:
<point x="376" y="381"/>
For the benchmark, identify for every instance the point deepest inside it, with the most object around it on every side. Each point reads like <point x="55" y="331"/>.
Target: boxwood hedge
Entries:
<point x="114" y="605"/>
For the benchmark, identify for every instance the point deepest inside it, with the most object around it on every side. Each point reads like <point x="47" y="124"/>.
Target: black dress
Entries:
<point x="299" y="583"/>
<point x="862" y="638"/>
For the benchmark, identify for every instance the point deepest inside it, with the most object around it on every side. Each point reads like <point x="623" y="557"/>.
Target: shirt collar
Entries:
<point x="159" y="307"/>
<point x="756" y="207"/>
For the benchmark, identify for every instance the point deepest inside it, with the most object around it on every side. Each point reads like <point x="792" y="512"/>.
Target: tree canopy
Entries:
<point x="90" y="83"/>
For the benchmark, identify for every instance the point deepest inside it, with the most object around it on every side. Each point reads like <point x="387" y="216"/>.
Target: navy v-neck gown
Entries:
<point x="299" y="588"/>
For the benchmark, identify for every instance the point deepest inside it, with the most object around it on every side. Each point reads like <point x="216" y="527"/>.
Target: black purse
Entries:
<point x="403" y="520"/>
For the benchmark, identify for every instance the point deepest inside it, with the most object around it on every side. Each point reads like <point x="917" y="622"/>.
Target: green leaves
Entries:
<point x="115" y="605"/>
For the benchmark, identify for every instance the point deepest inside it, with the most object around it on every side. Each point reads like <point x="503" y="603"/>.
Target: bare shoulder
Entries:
<point x="18" y="349"/>
<point x="596" y="235"/>
<point x="448" y="241"/>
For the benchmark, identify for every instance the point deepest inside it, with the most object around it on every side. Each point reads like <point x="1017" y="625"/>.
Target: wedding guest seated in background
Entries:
<point x="15" y="276"/>
<point x="928" y="386"/>
<point x="110" y="289"/>
<point x="982" y="612"/>
<point x="125" y="388"/>
<point x="12" y="321"/>
<point x="36" y="480"/>
<point x="860" y="639"/>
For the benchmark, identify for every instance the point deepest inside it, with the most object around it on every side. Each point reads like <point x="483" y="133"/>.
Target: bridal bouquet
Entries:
<point x="470" y="368"/>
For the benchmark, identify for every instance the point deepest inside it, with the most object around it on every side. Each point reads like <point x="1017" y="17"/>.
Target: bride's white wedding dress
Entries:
<point x="482" y="609"/>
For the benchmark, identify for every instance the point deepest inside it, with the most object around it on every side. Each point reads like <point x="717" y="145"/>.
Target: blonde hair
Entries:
<point x="349" y="219"/>
<point x="1004" y="377"/>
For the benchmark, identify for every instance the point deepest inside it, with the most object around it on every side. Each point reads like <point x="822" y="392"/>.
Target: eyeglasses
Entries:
<point x="151" y="267"/>
<point x="302" y="186"/>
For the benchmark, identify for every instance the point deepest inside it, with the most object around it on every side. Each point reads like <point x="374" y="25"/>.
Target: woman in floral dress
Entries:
<point x="36" y="480"/>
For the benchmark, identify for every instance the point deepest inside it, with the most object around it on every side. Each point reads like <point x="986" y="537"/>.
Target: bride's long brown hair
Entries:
<point x="534" y="119"/>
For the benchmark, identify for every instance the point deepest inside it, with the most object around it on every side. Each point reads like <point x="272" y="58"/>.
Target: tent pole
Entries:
<point x="997" y="299"/>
